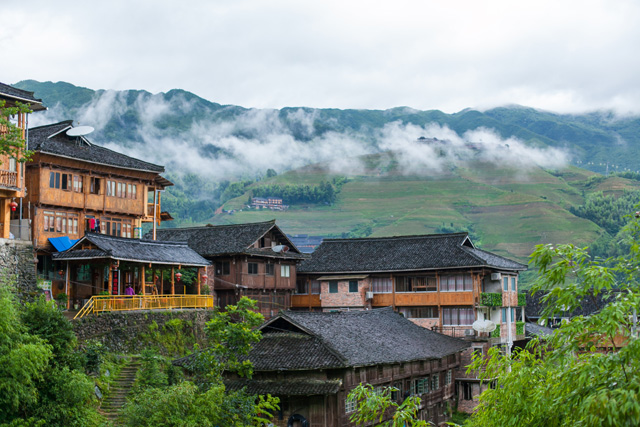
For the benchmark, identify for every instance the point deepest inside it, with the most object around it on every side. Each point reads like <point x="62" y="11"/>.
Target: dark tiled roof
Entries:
<point x="212" y="240"/>
<point x="125" y="249"/>
<point x="372" y="337"/>
<point x="41" y="139"/>
<point x="589" y="305"/>
<point x="408" y="253"/>
<point x="20" y="95"/>
<point x="278" y="351"/>
<point x="535" y="330"/>
<point x="287" y="387"/>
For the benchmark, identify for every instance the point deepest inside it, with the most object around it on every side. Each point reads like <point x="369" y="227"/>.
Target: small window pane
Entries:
<point x="333" y="287"/>
<point x="353" y="286"/>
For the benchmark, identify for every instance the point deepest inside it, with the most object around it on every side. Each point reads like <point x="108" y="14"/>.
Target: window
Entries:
<point x="66" y="182"/>
<point x="421" y="386"/>
<point x="477" y="352"/>
<point x="466" y="391"/>
<point x="456" y="283"/>
<point x="119" y="187"/>
<point x="54" y="179"/>
<point x="49" y="222"/>
<point x="454" y="316"/>
<point x="77" y="183"/>
<point x="301" y="286"/>
<point x="435" y="381"/>
<point x="428" y="312"/>
<point x="253" y="268"/>
<point x="268" y="269"/>
<point x="381" y="285"/>
<point x="353" y="286"/>
<point x="513" y="283"/>
<point x="350" y="404"/>
<point x="504" y="315"/>
<point x="447" y="378"/>
<point x="133" y="193"/>
<point x="94" y="185"/>
<point x="513" y="314"/>
<point x="223" y="268"/>
<point x="315" y="287"/>
<point x="505" y="282"/>
<point x="333" y="287"/>
<point x="284" y="271"/>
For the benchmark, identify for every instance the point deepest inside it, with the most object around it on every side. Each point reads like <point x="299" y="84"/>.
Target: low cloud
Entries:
<point x="247" y="143"/>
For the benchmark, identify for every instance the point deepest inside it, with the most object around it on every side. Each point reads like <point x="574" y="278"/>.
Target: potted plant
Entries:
<point x="62" y="300"/>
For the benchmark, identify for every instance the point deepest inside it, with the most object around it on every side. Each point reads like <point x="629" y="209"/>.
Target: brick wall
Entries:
<point x="343" y="298"/>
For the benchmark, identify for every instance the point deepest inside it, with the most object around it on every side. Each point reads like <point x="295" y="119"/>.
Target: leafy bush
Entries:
<point x="491" y="299"/>
<point x="522" y="300"/>
<point x="496" y="332"/>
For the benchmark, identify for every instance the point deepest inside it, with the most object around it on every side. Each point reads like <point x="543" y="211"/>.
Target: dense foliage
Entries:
<point x="42" y="379"/>
<point x="296" y="193"/>
<point x="609" y="212"/>
<point x="588" y="372"/>
<point x="375" y="406"/>
<point x="163" y="397"/>
<point x="11" y="142"/>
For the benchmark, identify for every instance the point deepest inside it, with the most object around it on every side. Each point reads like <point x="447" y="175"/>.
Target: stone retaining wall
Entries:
<point x="133" y="331"/>
<point x="16" y="262"/>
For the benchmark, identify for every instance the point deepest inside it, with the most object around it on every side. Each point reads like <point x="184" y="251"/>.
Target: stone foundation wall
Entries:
<point x="133" y="331"/>
<point x="16" y="262"/>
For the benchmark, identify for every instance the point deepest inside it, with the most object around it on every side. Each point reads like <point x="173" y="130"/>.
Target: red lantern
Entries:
<point x="204" y="277"/>
<point x="13" y="205"/>
<point x="61" y="273"/>
<point x="178" y="276"/>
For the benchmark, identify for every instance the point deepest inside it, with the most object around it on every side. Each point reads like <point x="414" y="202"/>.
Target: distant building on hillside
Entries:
<point x="273" y="203"/>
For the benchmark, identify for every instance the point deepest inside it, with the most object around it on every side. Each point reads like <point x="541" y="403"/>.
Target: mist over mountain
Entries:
<point x="189" y="134"/>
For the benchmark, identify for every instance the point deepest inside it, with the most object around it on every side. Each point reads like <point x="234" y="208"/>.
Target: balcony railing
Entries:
<point x="455" y="331"/>
<point x="102" y="303"/>
<point x="8" y="178"/>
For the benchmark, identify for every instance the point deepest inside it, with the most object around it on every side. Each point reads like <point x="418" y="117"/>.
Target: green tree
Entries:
<point x="11" y="142"/>
<point x="569" y="380"/>
<point x="205" y="401"/>
<point x="373" y="407"/>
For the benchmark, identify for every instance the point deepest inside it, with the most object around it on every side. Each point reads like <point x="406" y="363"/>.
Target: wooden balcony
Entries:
<point x="305" y="300"/>
<point x="423" y="298"/>
<point x="8" y="179"/>
<point x="103" y="303"/>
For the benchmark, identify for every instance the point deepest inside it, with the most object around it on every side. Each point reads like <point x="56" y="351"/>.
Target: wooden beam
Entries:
<point x="199" y="281"/>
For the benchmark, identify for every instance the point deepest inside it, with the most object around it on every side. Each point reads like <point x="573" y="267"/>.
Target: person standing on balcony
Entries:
<point x="129" y="291"/>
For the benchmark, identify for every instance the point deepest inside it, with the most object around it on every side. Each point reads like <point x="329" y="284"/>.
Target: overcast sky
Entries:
<point x="564" y="56"/>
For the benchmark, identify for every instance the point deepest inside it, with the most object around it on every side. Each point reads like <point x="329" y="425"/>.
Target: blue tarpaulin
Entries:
<point x="62" y="243"/>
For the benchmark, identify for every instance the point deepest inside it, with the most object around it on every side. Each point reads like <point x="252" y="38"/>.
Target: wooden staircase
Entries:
<point x="117" y="397"/>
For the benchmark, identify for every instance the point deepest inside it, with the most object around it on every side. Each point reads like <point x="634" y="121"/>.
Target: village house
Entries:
<point x="438" y="281"/>
<point x="311" y="361"/>
<point x="256" y="260"/>
<point x="12" y="172"/>
<point x="104" y="264"/>
<point x="76" y="187"/>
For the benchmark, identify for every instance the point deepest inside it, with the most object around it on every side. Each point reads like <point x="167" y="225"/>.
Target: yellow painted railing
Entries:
<point x="101" y="303"/>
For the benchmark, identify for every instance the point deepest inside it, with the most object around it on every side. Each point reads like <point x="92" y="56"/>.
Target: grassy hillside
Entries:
<point x="508" y="211"/>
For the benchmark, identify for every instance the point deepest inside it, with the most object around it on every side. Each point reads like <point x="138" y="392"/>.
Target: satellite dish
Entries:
<point x="80" y="131"/>
<point x="484" y="326"/>
<point x="280" y="248"/>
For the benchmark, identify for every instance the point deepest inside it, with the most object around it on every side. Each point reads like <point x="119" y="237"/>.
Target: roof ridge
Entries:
<point x="64" y="122"/>
<point x="410" y="236"/>
<point x="130" y="239"/>
<point x="490" y="253"/>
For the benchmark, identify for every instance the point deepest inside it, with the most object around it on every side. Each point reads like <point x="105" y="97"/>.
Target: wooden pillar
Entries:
<point x="142" y="280"/>
<point x="393" y="292"/>
<point x="5" y="217"/>
<point x="161" y="281"/>
<point x="199" y="281"/>
<point x="173" y="280"/>
<point x="110" y="279"/>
